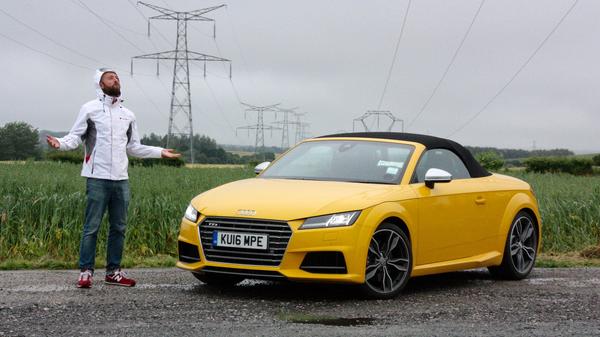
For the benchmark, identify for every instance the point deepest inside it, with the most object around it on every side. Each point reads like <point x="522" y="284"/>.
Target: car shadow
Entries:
<point x="286" y="290"/>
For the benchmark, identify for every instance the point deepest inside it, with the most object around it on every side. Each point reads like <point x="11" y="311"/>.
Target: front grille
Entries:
<point x="324" y="263"/>
<point x="187" y="252"/>
<point x="253" y="274"/>
<point x="278" y="232"/>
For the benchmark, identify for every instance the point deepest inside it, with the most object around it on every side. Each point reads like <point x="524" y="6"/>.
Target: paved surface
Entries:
<point x="170" y="302"/>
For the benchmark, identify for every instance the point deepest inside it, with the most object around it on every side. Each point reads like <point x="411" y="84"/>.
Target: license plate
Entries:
<point x="240" y="240"/>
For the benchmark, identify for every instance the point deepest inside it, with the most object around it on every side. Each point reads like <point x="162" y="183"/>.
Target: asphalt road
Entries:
<point x="170" y="302"/>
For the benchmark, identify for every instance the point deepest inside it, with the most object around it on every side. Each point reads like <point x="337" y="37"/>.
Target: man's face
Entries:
<point x="110" y="84"/>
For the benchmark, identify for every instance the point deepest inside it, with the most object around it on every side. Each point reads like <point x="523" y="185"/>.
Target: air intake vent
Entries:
<point x="253" y="274"/>
<point x="324" y="263"/>
<point x="278" y="233"/>
<point x="187" y="252"/>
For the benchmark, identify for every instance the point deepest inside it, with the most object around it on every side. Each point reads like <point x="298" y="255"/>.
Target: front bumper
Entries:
<point x="347" y="243"/>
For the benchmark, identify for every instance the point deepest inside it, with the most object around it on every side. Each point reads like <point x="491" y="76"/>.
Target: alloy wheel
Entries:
<point x="523" y="244"/>
<point x="388" y="261"/>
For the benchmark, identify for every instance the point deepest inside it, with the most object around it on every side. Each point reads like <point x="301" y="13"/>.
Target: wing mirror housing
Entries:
<point x="261" y="167"/>
<point x="434" y="175"/>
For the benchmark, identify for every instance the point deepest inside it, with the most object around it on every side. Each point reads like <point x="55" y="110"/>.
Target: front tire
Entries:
<point x="520" y="250"/>
<point x="389" y="262"/>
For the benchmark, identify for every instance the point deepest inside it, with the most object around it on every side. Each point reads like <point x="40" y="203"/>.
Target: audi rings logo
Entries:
<point x="246" y="212"/>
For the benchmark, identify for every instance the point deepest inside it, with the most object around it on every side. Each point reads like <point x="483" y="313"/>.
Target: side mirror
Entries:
<point x="261" y="167"/>
<point x="435" y="175"/>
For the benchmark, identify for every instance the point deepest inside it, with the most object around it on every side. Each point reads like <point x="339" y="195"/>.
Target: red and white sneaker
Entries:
<point x="85" y="279"/>
<point x="119" y="278"/>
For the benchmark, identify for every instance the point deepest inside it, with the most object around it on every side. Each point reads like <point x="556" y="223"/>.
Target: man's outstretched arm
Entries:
<point x="73" y="139"/>
<point x="137" y="149"/>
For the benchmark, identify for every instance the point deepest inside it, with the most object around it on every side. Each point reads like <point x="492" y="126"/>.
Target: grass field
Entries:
<point x="42" y="203"/>
<point x="41" y="212"/>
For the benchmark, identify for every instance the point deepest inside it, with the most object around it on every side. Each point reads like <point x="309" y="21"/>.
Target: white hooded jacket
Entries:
<point x="109" y="131"/>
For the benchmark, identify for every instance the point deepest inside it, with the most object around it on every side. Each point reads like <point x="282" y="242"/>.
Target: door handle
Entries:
<point x="480" y="201"/>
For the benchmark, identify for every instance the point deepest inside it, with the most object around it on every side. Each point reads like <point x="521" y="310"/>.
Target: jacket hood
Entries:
<point x="97" y="76"/>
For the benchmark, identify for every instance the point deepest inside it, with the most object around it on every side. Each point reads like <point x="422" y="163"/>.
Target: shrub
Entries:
<point x="596" y="160"/>
<point x="149" y="162"/>
<point x="577" y="166"/>
<point x="490" y="160"/>
<point x="74" y="157"/>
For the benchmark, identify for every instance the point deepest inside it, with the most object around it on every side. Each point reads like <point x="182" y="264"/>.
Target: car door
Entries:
<point x="452" y="216"/>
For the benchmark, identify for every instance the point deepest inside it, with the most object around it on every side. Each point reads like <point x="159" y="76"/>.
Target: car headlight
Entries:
<point x="331" y="220"/>
<point x="191" y="213"/>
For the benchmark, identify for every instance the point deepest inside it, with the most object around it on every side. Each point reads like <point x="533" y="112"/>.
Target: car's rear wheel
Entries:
<point x="218" y="280"/>
<point x="520" y="250"/>
<point x="389" y="262"/>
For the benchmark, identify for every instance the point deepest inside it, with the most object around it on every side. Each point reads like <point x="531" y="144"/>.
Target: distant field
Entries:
<point x="41" y="209"/>
<point x="242" y="153"/>
<point x="201" y="166"/>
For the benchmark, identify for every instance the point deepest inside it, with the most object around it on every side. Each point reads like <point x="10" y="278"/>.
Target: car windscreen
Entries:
<point x="343" y="160"/>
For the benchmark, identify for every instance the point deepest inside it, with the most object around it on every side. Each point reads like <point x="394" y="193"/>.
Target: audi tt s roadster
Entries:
<point x="371" y="209"/>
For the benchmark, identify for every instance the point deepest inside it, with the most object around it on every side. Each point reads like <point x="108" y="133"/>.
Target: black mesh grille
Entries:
<point x="278" y="232"/>
<point x="324" y="263"/>
<point x="187" y="252"/>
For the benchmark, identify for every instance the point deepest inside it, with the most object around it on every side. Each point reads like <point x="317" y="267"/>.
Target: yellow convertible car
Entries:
<point x="371" y="209"/>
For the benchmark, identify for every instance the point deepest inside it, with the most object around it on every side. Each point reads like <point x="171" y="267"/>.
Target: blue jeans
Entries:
<point x="103" y="194"/>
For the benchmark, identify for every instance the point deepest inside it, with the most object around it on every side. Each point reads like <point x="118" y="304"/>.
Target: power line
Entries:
<point x="221" y="112"/>
<point x="439" y="83"/>
<point x="83" y="5"/>
<point x="517" y="72"/>
<point x="48" y="37"/>
<point x="389" y="75"/>
<point x="149" y="24"/>
<point x="65" y="61"/>
<point x="71" y="50"/>
<point x="58" y="43"/>
<point x="45" y="54"/>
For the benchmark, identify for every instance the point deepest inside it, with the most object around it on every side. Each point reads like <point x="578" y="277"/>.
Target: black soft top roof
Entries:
<point x="430" y="142"/>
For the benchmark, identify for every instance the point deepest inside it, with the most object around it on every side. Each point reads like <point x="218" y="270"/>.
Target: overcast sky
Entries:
<point x="329" y="58"/>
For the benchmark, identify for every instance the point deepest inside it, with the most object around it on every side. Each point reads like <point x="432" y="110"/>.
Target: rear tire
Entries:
<point x="520" y="249"/>
<point x="389" y="262"/>
<point x="217" y="280"/>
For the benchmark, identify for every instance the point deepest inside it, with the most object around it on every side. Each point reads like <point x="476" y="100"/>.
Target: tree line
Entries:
<point x="21" y="141"/>
<point x="509" y="154"/>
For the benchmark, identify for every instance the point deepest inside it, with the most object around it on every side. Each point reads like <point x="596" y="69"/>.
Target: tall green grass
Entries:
<point x="570" y="207"/>
<point x="42" y="205"/>
<point x="41" y="209"/>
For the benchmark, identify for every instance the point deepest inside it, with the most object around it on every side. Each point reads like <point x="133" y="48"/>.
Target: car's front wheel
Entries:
<point x="218" y="280"/>
<point x="389" y="262"/>
<point x="520" y="250"/>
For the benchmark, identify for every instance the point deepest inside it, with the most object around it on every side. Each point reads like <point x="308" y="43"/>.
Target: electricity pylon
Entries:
<point x="181" y="101"/>
<point x="260" y="126"/>
<point x="285" y="126"/>
<point x="300" y="127"/>
<point x="377" y="114"/>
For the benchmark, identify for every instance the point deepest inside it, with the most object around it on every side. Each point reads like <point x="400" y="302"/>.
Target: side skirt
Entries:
<point x="477" y="261"/>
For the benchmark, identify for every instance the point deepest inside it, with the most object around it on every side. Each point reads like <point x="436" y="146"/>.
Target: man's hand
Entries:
<point x="169" y="153"/>
<point x="53" y="142"/>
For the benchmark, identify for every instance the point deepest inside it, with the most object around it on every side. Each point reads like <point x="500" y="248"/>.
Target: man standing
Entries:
<point x="109" y="132"/>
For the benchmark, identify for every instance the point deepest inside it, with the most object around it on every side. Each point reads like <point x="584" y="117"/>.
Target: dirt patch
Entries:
<point x="591" y="252"/>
